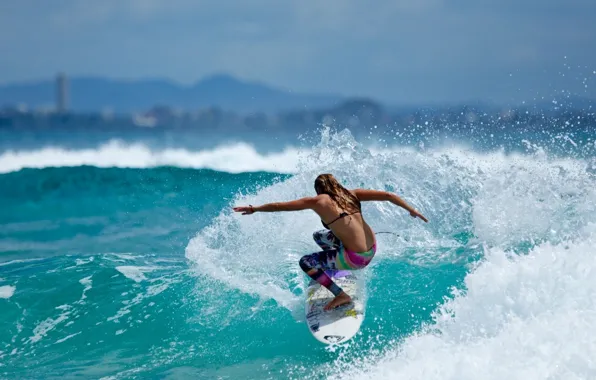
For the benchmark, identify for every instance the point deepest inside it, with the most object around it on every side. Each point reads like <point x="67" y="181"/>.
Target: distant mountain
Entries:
<point x="88" y="94"/>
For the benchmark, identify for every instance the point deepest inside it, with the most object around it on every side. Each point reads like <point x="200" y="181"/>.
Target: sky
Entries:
<point x="396" y="51"/>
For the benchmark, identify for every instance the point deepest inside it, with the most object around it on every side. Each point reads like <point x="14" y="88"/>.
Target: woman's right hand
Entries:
<point x="245" y="210"/>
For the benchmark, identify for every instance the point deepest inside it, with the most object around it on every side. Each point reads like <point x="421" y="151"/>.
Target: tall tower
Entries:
<point x="61" y="93"/>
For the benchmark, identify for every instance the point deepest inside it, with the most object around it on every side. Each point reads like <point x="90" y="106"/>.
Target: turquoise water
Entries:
<point x="143" y="271"/>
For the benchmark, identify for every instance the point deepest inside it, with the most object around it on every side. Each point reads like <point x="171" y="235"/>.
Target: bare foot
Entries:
<point x="341" y="299"/>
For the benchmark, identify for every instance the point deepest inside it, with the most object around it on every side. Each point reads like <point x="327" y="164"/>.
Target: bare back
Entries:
<point x="355" y="234"/>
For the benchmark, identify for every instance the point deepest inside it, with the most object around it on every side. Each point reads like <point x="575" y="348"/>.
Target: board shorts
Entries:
<point x="334" y="257"/>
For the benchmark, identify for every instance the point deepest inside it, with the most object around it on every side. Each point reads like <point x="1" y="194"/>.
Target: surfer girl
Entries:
<point x="348" y="242"/>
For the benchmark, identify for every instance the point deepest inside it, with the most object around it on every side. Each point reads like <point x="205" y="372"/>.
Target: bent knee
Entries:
<point x="305" y="264"/>
<point x="318" y="235"/>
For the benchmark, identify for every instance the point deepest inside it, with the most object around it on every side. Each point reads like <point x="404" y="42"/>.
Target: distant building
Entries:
<point x="61" y="93"/>
<point x="144" y="121"/>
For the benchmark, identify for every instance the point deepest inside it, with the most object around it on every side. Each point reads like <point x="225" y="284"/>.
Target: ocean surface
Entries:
<point x="120" y="260"/>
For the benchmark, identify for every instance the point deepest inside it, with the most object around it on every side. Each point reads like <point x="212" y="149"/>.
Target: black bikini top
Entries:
<point x="342" y="215"/>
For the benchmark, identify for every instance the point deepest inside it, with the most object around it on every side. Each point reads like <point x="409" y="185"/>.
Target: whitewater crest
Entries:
<point x="233" y="158"/>
<point x="525" y="308"/>
<point x="520" y="317"/>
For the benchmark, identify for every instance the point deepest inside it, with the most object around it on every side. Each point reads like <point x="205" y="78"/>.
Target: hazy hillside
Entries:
<point x="95" y="94"/>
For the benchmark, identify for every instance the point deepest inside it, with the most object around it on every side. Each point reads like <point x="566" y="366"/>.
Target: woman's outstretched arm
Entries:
<point x="375" y="195"/>
<point x="296" y="205"/>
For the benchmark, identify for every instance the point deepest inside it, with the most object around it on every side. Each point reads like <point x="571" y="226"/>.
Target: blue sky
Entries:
<point x="399" y="51"/>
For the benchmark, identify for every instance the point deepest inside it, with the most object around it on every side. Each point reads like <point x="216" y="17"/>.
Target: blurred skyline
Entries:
<point x="399" y="52"/>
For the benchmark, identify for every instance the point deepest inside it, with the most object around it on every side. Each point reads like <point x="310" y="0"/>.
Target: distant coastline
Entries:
<point x="224" y="104"/>
<point x="103" y="95"/>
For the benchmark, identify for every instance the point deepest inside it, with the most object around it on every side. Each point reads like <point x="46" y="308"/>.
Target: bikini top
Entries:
<point x="342" y="215"/>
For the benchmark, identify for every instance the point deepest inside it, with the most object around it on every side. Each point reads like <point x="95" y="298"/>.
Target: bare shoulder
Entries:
<point x="322" y="199"/>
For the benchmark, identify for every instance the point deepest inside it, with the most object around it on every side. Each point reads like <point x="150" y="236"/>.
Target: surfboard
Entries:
<point x="341" y="324"/>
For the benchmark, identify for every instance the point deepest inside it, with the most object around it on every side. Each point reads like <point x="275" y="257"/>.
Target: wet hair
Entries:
<point x="327" y="184"/>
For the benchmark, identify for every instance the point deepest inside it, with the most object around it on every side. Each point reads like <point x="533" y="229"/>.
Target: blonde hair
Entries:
<point x="327" y="184"/>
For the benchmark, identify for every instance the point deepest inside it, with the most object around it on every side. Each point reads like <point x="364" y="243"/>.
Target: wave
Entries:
<point x="515" y="234"/>
<point x="520" y="317"/>
<point x="234" y="158"/>
<point x="504" y="201"/>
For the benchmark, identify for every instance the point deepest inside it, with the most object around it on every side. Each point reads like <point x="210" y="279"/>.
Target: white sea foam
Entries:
<point x="87" y="282"/>
<point x="522" y="317"/>
<point x="43" y="328"/>
<point x="234" y="158"/>
<point x="79" y="262"/>
<point x="158" y="286"/>
<point x="258" y="254"/>
<point x="12" y="262"/>
<point x="67" y="337"/>
<point x="121" y="257"/>
<point x="135" y="273"/>
<point x="7" y="291"/>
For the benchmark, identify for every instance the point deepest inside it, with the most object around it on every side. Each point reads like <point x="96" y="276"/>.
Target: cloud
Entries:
<point x="437" y="49"/>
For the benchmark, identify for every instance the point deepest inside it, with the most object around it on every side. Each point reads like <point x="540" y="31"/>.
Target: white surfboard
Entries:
<point x="341" y="324"/>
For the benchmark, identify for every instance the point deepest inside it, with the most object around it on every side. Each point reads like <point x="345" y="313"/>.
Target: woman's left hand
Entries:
<point x="416" y="214"/>
<point x="245" y="210"/>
